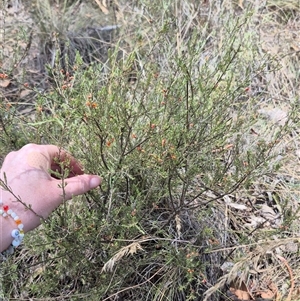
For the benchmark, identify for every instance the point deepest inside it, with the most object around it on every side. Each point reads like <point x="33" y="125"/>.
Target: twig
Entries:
<point x="18" y="199"/>
<point x="102" y="7"/>
<point x="282" y="259"/>
<point x="134" y="286"/>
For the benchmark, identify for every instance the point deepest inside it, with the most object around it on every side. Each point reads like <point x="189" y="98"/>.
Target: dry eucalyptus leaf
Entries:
<point x="255" y="221"/>
<point x="24" y="93"/>
<point x="228" y="202"/>
<point x="240" y="290"/>
<point x="4" y="83"/>
<point x="268" y="212"/>
<point x="238" y="206"/>
<point x="268" y="294"/>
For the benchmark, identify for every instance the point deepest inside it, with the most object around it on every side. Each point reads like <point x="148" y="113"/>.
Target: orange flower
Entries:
<point x="109" y="142"/>
<point x="91" y="104"/>
<point x="139" y="148"/>
<point x="3" y="75"/>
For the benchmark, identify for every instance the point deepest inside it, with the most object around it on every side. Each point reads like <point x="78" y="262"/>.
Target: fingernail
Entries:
<point x="95" y="181"/>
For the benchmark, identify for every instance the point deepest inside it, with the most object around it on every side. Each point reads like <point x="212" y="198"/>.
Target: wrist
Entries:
<point x="6" y="227"/>
<point x="11" y="227"/>
<point x="21" y="207"/>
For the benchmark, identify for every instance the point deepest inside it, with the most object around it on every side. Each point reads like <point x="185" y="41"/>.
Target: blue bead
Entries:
<point x="15" y="233"/>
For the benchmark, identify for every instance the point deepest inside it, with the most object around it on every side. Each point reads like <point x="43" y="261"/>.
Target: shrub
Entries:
<point x="173" y="130"/>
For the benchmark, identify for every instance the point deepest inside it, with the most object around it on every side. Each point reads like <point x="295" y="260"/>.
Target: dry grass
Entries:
<point x="124" y="251"/>
<point x="254" y="230"/>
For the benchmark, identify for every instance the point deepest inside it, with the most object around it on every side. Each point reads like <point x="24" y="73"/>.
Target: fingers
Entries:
<point x="78" y="185"/>
<point x="58" y="156"/>
<point x="52" y="157"/>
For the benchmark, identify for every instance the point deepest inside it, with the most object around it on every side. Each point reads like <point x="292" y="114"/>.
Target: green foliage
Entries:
<point x="169" y="145"/>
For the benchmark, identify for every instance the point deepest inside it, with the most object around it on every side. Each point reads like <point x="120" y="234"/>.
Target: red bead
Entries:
<point x="5" y="207"/>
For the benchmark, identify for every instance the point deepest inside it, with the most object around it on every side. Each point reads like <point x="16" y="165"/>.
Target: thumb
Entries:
<point x="80" y="184"/>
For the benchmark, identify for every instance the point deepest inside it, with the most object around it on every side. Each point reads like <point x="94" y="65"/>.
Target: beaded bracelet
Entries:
<point x="18" y="233"/>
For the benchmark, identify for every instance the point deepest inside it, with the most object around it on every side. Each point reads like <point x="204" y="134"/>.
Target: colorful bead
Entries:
<point x="15" y="243"/>
<point x="17" y="234"/>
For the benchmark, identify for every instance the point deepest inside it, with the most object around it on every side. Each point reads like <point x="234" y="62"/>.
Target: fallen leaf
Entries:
<point x="255" y="221"/>
<point x="238" y="206"/>
<point x="268" y="294"/>
<point x="240" y="4"/>
<point x="4" y="83"/>
<point x="295" y="47"/>
<point x="268" y="212"/>
<point x="240" y="290"/>
<point x="24" y="93"/>
<point x="228" y="202"/>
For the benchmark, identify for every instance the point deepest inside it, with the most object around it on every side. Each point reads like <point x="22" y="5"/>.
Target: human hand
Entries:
<point x="28" y="176"/>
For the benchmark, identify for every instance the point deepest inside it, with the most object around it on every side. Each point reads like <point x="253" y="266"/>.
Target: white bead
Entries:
<point x="16" y="217"/>
<point x="4" y="214"/>
<point x="16" y="243"/>
<point x="9" y="211"/>
<point x="1" y="211"/>
<point x="20" y="227"/>
<point x="15" y="233"/>
<point x="13" y="215"/>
